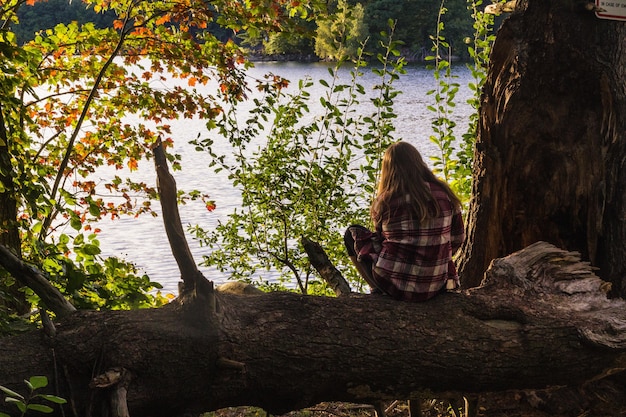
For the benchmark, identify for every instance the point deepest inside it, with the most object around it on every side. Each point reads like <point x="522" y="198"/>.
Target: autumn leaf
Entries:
<point x="163" y="19"/>
<point x="132" y="164"/>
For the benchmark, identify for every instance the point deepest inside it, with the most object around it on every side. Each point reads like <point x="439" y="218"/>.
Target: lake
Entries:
<point x="143" y="241"/>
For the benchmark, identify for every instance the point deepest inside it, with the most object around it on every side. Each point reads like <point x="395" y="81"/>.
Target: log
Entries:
<point x="540" y="319"/>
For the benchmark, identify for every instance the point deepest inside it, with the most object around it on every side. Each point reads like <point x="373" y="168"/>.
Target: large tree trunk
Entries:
<point x="551" y="146"/>
<point x="541" y="319"/>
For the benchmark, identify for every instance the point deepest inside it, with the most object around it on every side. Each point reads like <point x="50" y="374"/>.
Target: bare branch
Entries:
<point x="326" y="269"/>
<point x="191" y="276"/>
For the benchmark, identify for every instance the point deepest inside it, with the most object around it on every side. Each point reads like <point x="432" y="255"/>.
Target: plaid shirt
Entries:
<point x="413" y="261"/>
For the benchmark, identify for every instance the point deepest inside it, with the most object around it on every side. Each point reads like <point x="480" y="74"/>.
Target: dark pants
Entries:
<point x="363" y="266"/>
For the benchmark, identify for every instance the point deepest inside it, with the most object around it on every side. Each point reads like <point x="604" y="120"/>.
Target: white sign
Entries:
<point x="611" y="9"/>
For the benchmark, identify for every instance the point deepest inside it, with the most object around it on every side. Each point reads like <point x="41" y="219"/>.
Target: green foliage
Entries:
<point x="31" y="401"/>
<point x="454" y="161"/>
<point x="65" y="100"/>
<point x="66" y="96"/>
<point x="46" y="15"/>
<point x="313" y="175"/>
<point x="288" y="43"/>
<point x="444" y="95"/>
<point x="340" y="35"/>
<point x="299" y="41"/>
<point x="414" y="23"/>
<point x="92" y="282"/>
<point x="479" y="49"/>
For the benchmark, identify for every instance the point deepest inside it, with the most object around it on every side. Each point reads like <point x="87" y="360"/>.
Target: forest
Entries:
<point x="416" y="23"/>
<point x="538" y="327"/>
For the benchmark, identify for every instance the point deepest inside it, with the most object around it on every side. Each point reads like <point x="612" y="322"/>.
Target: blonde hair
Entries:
<point x="404" y="173"/>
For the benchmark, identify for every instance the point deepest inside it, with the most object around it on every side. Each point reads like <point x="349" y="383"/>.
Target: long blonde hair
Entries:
<point x="403" y="172"/>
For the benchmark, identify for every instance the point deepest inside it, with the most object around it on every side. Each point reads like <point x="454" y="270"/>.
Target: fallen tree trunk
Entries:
<point x="540" y="319"/>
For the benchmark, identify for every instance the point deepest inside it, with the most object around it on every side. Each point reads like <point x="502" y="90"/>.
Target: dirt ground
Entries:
<point x="598" y="399"/>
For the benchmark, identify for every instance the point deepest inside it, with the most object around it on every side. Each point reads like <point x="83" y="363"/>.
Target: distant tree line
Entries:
<point x="340" y="33"/>
<point x="47" y="14"/>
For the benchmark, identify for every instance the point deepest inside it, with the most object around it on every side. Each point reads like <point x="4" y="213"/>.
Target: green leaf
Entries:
<point x="90" y="249"/>
<point x="40" y="407"/>
<point x="11" y="393"/>
<point x="19" y="404"/>
<point x="38" y="381"/>
<point x="53" y="398"/>
<point x="76" y="223"/>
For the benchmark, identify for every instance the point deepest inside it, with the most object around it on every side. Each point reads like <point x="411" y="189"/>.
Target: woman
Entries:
<point x="418" y="228"/>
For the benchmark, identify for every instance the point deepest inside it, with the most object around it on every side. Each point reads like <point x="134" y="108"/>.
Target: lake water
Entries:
<point x="143" y="240"/>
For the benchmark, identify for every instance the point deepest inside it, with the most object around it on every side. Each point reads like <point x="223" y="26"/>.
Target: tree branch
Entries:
<point x="325" y="268"/>
<point x="36" y="281"/>
<point x="192" y="278"/>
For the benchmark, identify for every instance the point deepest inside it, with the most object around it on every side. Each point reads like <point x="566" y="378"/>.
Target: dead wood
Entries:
<point x="541" y="319"/>
<point x="328" y="272"/>
<point x="193" y="280"/>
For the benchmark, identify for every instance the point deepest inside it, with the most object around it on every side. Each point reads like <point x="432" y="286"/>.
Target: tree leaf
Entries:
<point x="53" y="398"/>
<point x="40" y="407"/>
<point x="38" y="381"/>
<point x="18" y="403"/>
<point x="11" y="393"/>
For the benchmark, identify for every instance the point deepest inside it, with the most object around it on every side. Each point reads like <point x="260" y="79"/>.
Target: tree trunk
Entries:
<point x="541" y="319"/>
<point x="11" y="297"/>
<point x="551" y="146"/>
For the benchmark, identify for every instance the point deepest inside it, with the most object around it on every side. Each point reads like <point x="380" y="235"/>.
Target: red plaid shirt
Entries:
<point x="413" y="261"/>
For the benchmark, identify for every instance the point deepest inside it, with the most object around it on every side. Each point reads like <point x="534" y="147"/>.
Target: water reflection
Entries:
<point x="143" y="240"/>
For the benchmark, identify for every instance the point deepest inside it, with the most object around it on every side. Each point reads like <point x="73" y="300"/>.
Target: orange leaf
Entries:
<point x="132" y="164"/>
<point x="163" y="19"/>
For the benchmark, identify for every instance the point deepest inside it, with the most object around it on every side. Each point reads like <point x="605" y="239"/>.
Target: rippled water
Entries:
<point x="143" y="240"/>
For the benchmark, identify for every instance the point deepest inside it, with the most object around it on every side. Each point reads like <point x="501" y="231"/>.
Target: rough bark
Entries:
<point x="540" y="319"/>
<point x="551" y="146"/>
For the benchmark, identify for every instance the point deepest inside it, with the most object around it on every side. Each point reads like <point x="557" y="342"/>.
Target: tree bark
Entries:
<point x="14" y="299"/>
<point x="192" y="279"/>
<point x="540" y="319"/>
<point x="551" y="145"/>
